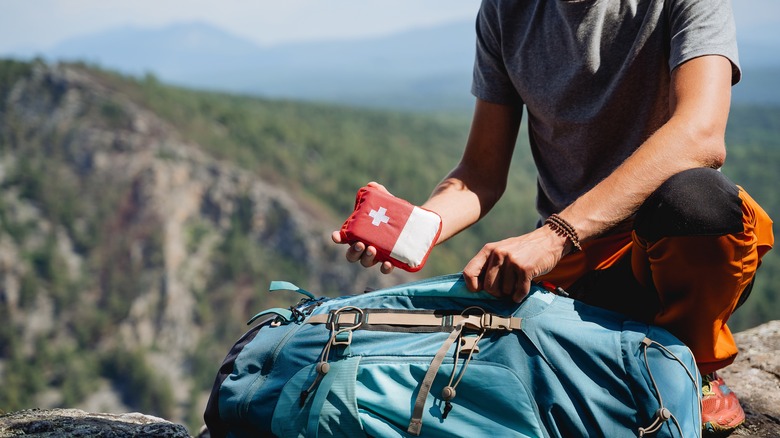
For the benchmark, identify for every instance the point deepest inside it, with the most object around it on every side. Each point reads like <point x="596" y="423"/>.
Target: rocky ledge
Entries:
<point x="53" y="423"/>
<point x="755" y="377"/>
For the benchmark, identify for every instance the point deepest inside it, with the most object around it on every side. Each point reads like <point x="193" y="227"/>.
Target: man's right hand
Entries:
<point x="358" y="251"/>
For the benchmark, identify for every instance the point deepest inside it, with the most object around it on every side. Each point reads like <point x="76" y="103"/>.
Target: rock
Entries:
<point x="755" y="378"/>
<point x="58" y="423"/>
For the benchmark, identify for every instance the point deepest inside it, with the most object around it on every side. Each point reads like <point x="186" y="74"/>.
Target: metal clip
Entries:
<point x="338" y="333"/>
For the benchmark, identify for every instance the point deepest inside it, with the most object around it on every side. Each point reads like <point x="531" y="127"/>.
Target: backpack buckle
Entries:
<point x="341" y="326"/>
<point x="488" y="321"/>
<point x="495" y="322"/>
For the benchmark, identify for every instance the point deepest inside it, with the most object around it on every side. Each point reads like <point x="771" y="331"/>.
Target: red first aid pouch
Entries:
<point x="401" y="232"/>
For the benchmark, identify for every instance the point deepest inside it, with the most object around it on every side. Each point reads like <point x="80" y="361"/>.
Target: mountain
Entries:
<point x="420" y="69"/>
<point x="758" y="44"/>
<point x="140" y="225"/>
<point x="758" y="49"/>
<point x="416" y="65"/>
<point x="177" y="51"/>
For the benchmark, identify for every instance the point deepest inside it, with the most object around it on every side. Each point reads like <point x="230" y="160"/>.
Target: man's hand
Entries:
<point x="506" y="268"/>
<point x="365" y="254"/>
<point x="359" y="251"/>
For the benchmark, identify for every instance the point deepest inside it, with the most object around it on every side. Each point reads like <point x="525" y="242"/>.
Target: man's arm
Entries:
<point x="474" y="186"/>
<point x="693" y="137"/>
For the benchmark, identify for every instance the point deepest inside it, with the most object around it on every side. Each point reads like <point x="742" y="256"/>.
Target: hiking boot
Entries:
<point x="720" y="408"/>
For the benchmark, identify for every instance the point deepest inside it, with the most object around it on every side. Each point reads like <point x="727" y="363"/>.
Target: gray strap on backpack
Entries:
<point x="483" y="321"/>
<point x="419" y="405"/>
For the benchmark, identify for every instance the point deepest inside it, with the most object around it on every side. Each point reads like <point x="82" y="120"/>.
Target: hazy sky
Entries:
<point x="39" y="24"/>
<point x="42" y="23"/>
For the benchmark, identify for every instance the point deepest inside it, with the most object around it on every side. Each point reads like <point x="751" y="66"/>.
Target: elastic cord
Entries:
<point x="662" y="414"/>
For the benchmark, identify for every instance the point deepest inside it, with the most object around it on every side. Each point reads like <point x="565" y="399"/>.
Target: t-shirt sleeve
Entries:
<point x="703" y="27"/>
<point x="491" y="81"/>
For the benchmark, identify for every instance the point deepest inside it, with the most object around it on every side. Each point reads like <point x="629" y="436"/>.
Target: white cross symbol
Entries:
<point x="379" y="216"/>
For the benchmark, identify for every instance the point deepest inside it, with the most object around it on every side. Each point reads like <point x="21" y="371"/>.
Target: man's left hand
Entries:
<point x="506" y="268"/>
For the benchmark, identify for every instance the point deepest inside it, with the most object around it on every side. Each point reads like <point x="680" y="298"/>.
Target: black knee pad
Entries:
<point x="695" y="202"/>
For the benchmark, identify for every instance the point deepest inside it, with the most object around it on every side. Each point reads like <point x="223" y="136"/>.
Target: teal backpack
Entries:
<point x="432" y="359"/>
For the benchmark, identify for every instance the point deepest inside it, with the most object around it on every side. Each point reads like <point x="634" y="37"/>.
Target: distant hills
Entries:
<point x="401" y="70"/>
<point x="422" y="69"/>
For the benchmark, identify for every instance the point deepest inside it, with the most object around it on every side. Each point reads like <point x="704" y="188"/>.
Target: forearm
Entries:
<point x="693" y="137"/>
<point x="617" y="197"/>
<point x="459" y="203"/>
<point x="479" y="180"/>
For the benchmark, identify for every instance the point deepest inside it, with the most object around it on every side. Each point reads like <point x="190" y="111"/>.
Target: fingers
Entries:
<point x="473" y="272"/>
<point x="367" y="259"/>
<point x="492" y="280"/>
<point x="377" y="185"/>
<point x="359" y="252"/>
<point x="498" y="273"/>
<point x="386" y="268"/>
<point x="521" y="290"/>
<point x="366" y="255"/>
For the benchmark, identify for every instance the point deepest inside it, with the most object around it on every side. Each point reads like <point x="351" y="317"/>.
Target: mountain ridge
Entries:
<point x="383" y="71"/>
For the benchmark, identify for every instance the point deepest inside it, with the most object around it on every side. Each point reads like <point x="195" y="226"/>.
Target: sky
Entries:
<point x="41" y="24"/>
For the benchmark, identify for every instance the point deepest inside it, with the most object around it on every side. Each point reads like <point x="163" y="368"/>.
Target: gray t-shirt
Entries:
<point x="593" y="75"/>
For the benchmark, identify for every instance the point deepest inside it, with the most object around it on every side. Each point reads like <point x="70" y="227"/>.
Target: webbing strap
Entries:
<point x="419" y="404"/>
<point x="485" y="321"/>
<point x="341" y="418"/>
<point x="313" y="424"/>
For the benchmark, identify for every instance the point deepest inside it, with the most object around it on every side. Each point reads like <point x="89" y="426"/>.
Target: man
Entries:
<point x="627" y="103"/>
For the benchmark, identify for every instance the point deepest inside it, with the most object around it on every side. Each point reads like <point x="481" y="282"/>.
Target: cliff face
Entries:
<point x="122" y="242"/>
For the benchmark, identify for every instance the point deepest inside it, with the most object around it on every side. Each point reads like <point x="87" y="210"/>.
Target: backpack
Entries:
<point x="430" y="358"/>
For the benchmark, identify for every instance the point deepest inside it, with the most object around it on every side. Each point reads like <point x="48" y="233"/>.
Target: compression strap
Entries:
<point x="382" y="317"/>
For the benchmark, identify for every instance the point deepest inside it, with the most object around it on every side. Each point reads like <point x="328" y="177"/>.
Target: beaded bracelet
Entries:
<point x="564" y="229"/>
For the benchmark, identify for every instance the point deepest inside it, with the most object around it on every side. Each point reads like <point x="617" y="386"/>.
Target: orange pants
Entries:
<point x="689" y="285"/>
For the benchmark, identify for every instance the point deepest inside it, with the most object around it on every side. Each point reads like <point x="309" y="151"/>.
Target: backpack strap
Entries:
<point x="419" y="404"/>
<point x="335" y="384"/>
<point x="382" y="317"/>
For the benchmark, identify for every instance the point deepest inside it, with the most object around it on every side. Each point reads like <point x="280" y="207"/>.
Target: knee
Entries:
<point x="695" y="202"/>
